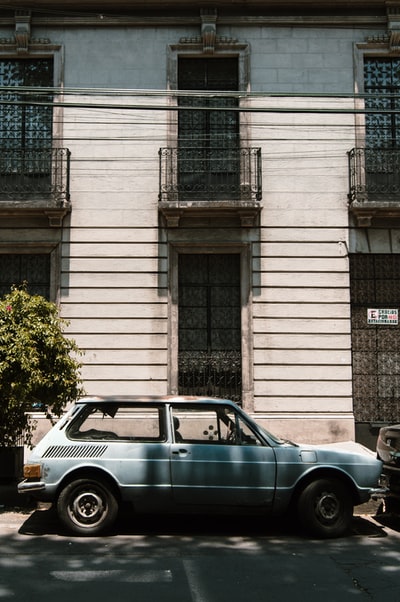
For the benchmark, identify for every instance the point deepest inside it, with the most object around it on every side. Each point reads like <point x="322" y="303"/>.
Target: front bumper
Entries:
<point x="379" y="493"/>
<point x="31" y="486"/>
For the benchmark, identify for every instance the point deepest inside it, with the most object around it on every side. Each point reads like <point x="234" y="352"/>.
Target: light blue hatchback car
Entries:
<point x="186" y="454"/>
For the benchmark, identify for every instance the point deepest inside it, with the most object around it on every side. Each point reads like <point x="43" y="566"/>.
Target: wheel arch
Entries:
<point x="326" y="473"/>
<point x="90" y="472"/>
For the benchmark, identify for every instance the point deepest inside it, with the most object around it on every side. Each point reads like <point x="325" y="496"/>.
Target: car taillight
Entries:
<point x="32" y="471"/>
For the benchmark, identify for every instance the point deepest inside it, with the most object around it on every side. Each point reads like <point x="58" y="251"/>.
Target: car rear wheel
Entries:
<point x="87" y="507"/>
<point x="325" y="508"/>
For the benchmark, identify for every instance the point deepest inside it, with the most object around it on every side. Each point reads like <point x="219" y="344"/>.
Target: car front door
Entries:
<point x="216" y="459"/>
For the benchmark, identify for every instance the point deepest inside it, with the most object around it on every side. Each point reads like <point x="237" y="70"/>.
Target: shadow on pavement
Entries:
<point x="389" y="519"/>
<point x="45" y="522"/>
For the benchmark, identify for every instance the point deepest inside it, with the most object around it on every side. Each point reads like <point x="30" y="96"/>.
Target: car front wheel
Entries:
<point x="87" y="507"/>
<point x="325" y="508"/>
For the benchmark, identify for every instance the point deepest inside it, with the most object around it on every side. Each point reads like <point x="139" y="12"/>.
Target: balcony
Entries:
<point x="35" y="182"/>
<point x="210" y="182"/>
<point x="374" y="184"/>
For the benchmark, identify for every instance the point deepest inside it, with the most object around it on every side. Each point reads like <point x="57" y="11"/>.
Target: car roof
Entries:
<point x="152" y="399"/>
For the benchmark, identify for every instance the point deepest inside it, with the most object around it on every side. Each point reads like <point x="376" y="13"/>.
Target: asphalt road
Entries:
<point x="205" y="559"/>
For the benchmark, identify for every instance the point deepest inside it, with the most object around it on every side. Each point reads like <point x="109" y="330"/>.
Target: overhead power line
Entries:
<point x="240" y="95"/>
<point x="166" y="107"/>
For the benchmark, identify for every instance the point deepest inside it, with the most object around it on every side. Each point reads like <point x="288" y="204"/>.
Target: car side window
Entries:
<point x="114" y="422"/>
<point x="195" y="425"/>
<point x="212" y="426"/>
<point x="239" y="432"/>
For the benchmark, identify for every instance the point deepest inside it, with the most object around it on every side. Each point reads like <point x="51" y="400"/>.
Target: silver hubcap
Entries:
<point x="87" y="507"/>
<point x="328" y="506"/>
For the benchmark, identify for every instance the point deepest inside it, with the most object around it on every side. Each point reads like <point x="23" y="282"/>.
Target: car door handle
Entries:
<point x="182" y="451"/>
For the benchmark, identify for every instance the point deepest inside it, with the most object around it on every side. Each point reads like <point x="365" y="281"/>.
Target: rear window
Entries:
<point x="112" y="422"/>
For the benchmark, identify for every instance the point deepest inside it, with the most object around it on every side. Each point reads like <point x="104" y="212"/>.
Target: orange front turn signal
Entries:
<point x="32" y="471"/>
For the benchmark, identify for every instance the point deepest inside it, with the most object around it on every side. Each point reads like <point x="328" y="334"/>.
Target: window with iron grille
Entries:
<point x="382" y="121"/>
<point x="34" y="269"/>
<point x="25" y="116"/>
<point x="382" y="87"/>
<point x="210" y="325"/>
<point x="208" y="128"/>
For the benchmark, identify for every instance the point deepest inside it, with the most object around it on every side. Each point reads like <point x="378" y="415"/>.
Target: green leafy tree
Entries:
<point x="38" y="364"/>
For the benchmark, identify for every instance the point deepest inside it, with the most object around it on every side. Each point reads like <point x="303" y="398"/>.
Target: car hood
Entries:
<point x="349" y="446"/>
<point x="341" y="450"/>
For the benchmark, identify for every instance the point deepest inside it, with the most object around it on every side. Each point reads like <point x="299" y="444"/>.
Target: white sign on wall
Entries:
<point x="383" y="316"/>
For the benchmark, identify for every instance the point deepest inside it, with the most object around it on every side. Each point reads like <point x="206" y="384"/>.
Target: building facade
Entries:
<point x="210" y="191"/>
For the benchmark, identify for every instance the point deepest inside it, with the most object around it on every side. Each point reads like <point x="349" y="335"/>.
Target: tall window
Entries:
<point x="24" y="122"/>
<point x="382" y="135"/>
<point x="382" y="86"/>
<point x="208" y="131"/>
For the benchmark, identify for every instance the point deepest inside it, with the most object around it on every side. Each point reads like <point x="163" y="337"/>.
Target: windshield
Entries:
<point x="274" y="438"/>
<point x="270" y="437"/>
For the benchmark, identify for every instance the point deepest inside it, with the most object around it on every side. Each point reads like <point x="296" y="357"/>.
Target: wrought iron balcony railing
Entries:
<point x="209" y="175"/>
<point x="374" y="175"/>
<point x="35" y="175"/>
<point x="214" y="373"/>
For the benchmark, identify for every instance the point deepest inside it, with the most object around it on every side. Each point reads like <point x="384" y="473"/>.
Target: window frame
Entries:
<point x="55" y="52"/>
<point x="142" y="411"/>
<point x="26" y="136"/>
<point x="43" y="249"/>
<point x="240" y="51"/>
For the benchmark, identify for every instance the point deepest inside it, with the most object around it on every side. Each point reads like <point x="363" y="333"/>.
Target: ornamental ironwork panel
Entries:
<point x="26" y="115"/>
<point x="209" y="358"/>
<point x="208" y="122"/>
<point x="214" y="374"/>
<point x="375" y="282"/>
<point x="382" y="87"/>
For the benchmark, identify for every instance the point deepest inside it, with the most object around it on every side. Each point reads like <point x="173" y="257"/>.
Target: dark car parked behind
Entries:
<point x="388" y="450"/>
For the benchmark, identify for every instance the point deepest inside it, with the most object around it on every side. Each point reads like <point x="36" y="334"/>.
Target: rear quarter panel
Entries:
<point x="141" y="470"/>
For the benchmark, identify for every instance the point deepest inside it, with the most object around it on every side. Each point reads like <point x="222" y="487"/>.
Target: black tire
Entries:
<point x="325" y="508"/>
<point x="87" y="507"/>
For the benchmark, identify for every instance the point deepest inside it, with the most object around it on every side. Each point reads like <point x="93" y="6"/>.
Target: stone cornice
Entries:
<point x="283" y="5"/>
<point x="97" y="20"/>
